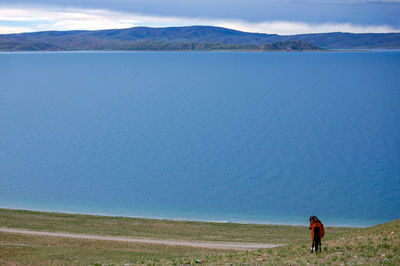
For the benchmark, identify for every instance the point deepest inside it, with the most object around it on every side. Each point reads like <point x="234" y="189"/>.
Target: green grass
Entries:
<point x="377" y="245"/>
<point x="23" y="249"/>
<point x="163" y="229"/>
<point x="372" y="246"/>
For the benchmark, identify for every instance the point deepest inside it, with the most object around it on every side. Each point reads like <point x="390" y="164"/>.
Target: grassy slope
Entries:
<point x="378" y="245"/>
<point x="164" y="229"/>
<point x="20" y="249"/>
<point x="375" y="245"/>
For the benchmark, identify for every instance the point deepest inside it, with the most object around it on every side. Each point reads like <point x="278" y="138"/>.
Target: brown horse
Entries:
<point x="317" y="232"/>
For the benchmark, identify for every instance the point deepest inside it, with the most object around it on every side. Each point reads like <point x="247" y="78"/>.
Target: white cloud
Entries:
<point x="66" y="19"/>
<point x="13" y="29"/>
<point x="51" y="18"/>
<point x="294" y="27"/>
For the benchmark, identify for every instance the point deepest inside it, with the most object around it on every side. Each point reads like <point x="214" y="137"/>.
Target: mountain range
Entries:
<point x="191" y="38"/>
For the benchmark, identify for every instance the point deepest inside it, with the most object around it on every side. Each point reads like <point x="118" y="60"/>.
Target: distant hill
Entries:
<point x="147" y="45"/>
<point x="190" y="38"/>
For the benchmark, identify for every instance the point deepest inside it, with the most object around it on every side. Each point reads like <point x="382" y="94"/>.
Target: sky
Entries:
<point x="265" y="16"/>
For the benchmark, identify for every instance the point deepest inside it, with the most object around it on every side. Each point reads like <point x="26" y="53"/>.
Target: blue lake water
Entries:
<point x="219" y="136"/>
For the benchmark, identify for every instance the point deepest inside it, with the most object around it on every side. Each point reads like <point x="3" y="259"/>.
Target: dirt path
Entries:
<point x="171" y="242"/>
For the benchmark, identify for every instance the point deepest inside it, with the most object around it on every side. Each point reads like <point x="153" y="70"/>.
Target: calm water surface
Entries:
<point x="248" y="137"/>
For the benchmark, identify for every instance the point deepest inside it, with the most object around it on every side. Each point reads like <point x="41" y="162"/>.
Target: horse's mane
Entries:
<point x="314" y="219"/>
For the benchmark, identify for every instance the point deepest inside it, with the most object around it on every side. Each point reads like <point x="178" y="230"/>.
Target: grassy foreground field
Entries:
<point x="375" y="245"/>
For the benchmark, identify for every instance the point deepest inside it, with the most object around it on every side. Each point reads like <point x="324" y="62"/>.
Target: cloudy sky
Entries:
<point x="267" y="16"/>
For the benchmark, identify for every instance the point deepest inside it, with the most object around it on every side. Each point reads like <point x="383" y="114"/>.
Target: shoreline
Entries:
<point x="176" y="218"/>
<point x="177" y="51"/>
<point x="198" y="51"/>
<point x="201" y="51"/>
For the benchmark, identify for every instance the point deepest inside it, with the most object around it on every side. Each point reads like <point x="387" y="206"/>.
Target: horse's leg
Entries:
<point x="312" y="246"/>
<point x="316" y="245"/>
<point x="320" y="246"/>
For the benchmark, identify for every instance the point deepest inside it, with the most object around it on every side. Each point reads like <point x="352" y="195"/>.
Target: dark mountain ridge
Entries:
<point x="122" y="38"/>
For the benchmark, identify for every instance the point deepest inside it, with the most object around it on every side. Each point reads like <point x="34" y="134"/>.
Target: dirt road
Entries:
<point x="171" y="242"/>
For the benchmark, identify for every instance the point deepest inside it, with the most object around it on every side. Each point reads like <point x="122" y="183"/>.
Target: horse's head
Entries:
<point x="314" y="219"/>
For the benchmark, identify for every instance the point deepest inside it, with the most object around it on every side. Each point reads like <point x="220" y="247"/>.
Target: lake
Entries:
<point x="218" y="136"/>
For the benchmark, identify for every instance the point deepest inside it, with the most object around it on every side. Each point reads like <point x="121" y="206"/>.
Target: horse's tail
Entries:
<point x="317" y="237"/>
